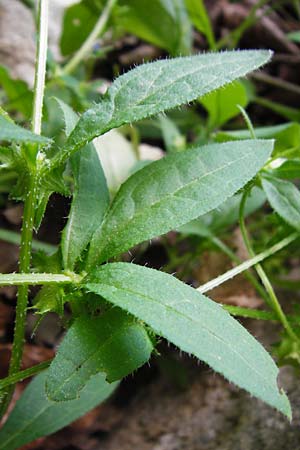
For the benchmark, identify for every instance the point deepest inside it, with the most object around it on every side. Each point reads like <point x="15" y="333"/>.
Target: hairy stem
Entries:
<point x="90" y="41"/>
<point x="273" y="300"/>
<point x="29" y="205"/>
<point x="36" y="279"/>
<point x="23" y="374"/>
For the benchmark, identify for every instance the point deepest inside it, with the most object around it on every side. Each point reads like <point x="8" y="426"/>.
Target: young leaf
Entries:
<point x="174" y="141"/>
<point x="222" y="104"/>
<point x="79" y="20"/>
<point x="35" y="416"/>
<point x="11" y="132"/>
<point x="194" y="323"/>
<point x="113" y="343"/>
<point x="50" y="299"/>
<point x="173" y="191"/>
<point x="289" y="169"/>
<point x="284" y="197"/>
<point x="174" y="31"/>
<point x="90" y="197"/>
<point x="156" y="87"/>
<point x="287" y="136"/>
<point x="18" y="93"/>
<point x="199" y="17"/>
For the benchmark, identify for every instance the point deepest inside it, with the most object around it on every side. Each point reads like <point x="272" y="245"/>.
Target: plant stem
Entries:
<point x="250" y="277"/>
<point x="90" y="41"/>
<point x="273" y="300"/>
<point x="40" y="72"/>
<point x="247" y="264"/>
<point x="36" y="279"/>
<point x="29" y="205"/>
<point x="23" y="374"/>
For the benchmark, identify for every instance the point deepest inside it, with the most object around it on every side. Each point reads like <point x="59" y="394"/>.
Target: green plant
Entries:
<point x="118" y="308"/>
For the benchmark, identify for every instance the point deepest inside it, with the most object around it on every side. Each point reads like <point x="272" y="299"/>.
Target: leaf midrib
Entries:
<point x="116" y="231"/>
<point x="132" y="292"/>
<point x="110" y="338"/>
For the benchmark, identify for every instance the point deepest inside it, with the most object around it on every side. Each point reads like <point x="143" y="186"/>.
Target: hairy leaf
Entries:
<point x="35" y="415"/>
<point x="156" y="87"/>
<point x="90" y="197"/>
<point x="225" y="215"/>
<point x="173" y="191"/>
<point x="194" y="323"/>
<point x="284" y="197"/>
<point x="113" y="343"/>
<point x="11" y="132"/>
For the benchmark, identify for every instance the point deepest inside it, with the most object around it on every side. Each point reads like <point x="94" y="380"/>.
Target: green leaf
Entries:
<point x="114" y="343"/>
<point x="19" y="96"/>
<point x="90" y="200"/>
<point x="173" y="139"/>
<point x="199" y="17"/>
<point x="284" y="198"/>
<point x="287" y="112"/>
<point x="35" y="416"/>
<point x="50" y="299"/>
<point x="156" y="87"/>
<point x="287" y="136"/>
<point x="90" y="197"/>
<point x="222" y="104"/>
<point x="173" y="33"/>
<point x="288" y="169"/>
<point x="194" y="323"/>
<point x="11" y="132"/>
<point x="78" y="22"/>
<point x="225" y="215"/>
<point x="173" y="191"/>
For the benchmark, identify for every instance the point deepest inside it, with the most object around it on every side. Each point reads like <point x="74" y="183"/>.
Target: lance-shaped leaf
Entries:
<point x="114" y="343"/>
<point x="173" y="191"/>
<point x="225" y="215"/>
<point x="284" y="197"/>
<point x="12" y="132"/>
<point x="156" y="87"/>
<point x="194" y="323"/>
<point x="35" y="415"/>
<point x="90" y="197"/>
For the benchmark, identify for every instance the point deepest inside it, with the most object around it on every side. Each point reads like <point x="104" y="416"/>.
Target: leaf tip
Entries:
<point x="285" y="407"/>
